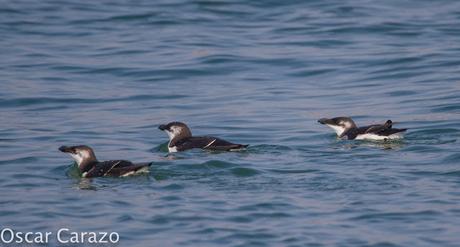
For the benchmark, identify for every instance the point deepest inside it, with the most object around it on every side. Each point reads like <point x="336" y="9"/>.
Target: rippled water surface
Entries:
<point x="107" y="73"/>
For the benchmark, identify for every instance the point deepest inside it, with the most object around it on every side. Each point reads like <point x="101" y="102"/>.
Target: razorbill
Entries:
<point x="347" y="129"/>
<point x="180" y="139"/>
<point x="91" y="167"/>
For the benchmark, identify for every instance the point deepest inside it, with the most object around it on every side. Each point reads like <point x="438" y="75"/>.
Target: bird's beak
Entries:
<point x="65" y="149"/>
<point x="326" y="121"/>
<point x="162" y="127"/>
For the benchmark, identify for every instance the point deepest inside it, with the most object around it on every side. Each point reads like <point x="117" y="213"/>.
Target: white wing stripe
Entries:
<point x="111" y="168"/>
<point x="210" y="143"/>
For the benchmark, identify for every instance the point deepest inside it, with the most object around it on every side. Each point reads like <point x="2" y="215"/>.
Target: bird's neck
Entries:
<point x="87" y="164"/>
<point x="175" y="139"/>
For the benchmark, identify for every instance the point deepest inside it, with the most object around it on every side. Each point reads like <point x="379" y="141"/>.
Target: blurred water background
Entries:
<point x="107" y="73"/>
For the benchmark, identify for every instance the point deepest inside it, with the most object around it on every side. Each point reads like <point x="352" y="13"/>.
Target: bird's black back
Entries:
<point x="114" y="168"/>
<point x="377" y="129"/>
<point x="206" y="142"/>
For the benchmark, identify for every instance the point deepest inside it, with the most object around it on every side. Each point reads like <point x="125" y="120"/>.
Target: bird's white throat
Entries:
<point x="173" y="132"/>
<point x="171" y="135"/>
<point x="338" y="129"/>
<point x="79" y="157"/>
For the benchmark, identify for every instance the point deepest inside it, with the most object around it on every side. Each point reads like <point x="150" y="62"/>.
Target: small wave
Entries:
<point x="398" y="216"/>
<point x="455" y="173"/>
<point x="244" y="172"/>
<point x="451" y="159"/>
<point x="202" y="170"/>
<point x="293" y="171"/>
<point x="21" y="160"/>
<point x="452" y="107"/>
<point x="36" y="101"/>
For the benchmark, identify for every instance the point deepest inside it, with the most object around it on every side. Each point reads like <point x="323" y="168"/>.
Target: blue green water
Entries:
<point x="107" y="73"/>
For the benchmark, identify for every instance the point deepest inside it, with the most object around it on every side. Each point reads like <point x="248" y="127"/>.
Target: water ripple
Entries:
<point x="106" y="74"/>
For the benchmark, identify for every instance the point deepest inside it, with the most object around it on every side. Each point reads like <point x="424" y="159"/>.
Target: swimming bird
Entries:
<point x="90" y="167"/>
<point x="346" y="128"/>
<point x="181" y="139"/>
